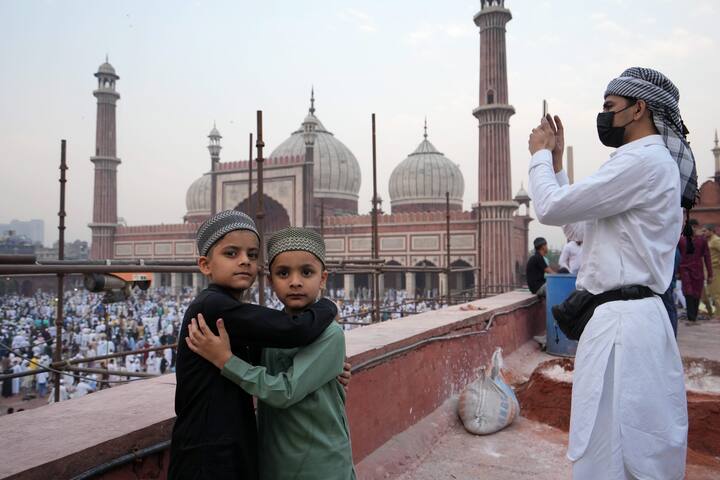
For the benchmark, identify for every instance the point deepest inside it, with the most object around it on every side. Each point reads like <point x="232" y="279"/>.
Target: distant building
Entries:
<point x="33" y="229"/>
<point x="77" y="250"/>
<point x="312" y="179"/>
<point x="707" y="209"/>
<point x="13" y="244"/>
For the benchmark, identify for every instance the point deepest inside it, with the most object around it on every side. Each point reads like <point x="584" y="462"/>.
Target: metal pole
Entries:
<point x="375" y="241"/>
<point x="105" y="371"/>
<point x="447" y="233"/>
<point x="260" y="214"/>
<point x="80" y="268"/>
<point x="57" y="356"/>
<point x="479" y="250"/>
<point x="250" y="160"/>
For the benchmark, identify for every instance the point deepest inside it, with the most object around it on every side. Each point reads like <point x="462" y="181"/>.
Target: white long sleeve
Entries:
<point x="627" y="214"/>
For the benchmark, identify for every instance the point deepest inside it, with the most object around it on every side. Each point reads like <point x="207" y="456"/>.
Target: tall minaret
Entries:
<point x="214" y="148"/>
<point x="309" y="125"/>
<point x="493" y="114"/>
<point x="104" y="220"/>
<point x="716" y="153"/>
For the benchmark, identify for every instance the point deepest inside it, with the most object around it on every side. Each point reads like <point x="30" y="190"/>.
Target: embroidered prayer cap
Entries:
<point x="662" y="98"/>
<point x="219" y="225"/>
<point x="294" y="239"/>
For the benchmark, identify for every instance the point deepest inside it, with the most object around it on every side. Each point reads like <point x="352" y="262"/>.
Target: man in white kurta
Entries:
<point x="629" y="411"/>
<point x="571" y="256"/>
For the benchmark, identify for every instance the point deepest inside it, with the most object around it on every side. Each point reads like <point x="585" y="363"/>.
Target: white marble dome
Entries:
<point x="424" y="177"/>
<point x="336" y="173"/>
<point x="107" y="69"/>
<point x="197" y="199"/>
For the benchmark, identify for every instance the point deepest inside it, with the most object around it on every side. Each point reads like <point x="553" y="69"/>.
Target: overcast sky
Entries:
<point x="185" y="64"/>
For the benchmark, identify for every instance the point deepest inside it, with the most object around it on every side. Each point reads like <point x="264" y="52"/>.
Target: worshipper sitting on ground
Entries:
<point x="215" y="433"/>
<point x="625" y="423"/>
<point x="537" y="267"/>
<point x="692" y="273"/>
<point x="303" y="428"/>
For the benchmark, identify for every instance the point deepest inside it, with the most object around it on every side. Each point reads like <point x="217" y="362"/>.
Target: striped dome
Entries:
<point x="197" y="199"/>
<point x="424" y="177"/>
<point x="336" y="170"/>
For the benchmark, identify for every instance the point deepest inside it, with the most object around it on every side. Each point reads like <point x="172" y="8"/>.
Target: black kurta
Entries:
<point x="215" y="434"/>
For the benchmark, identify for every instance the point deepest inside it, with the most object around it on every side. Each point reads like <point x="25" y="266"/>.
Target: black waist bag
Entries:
<point x="576" y="311"/>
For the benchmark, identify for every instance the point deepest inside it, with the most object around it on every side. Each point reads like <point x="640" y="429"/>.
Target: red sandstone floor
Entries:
<point x="529" y="449"/>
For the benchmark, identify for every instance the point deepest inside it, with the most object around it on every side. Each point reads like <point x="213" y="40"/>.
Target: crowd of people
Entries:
<point x="91" y="329"/>
<point x="147" y="319"/>
<point x="356" y="308"/>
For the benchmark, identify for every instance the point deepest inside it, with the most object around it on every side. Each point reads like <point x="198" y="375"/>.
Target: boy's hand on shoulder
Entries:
<point x="344" y="377"/>
<point x="213" y="348"/>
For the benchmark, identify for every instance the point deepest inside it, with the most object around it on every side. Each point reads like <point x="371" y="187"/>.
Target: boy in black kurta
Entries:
<point x="215" y="435"/>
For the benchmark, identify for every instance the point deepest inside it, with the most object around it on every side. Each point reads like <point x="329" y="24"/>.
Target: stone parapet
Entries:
<point x="404" y="370"/>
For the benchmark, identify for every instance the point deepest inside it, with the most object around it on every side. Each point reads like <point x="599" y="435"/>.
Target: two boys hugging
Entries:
<point x="288" y="360"/>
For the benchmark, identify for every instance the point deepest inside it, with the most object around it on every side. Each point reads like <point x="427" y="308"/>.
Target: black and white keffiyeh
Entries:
<point x="662" y="97"/>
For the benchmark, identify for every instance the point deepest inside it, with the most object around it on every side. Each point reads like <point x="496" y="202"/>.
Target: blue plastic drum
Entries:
<point x="559" y="287"/>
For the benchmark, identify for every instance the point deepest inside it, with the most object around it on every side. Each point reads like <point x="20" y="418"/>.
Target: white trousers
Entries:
<point x="629" y="411"/>
<point x="603" y="458"/>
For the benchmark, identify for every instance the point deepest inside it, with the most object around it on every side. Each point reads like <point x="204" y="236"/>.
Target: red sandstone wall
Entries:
<point x="384" y="399"/>
<point x="393" y="396"/>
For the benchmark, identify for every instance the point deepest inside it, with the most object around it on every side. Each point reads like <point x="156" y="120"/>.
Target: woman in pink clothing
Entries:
<point x="692" y="274"/>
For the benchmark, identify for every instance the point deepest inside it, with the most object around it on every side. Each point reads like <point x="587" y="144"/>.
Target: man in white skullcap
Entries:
<point x="629" y="412"/>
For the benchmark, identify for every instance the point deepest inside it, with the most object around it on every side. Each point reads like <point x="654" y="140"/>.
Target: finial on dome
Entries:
<point x="425" y="129"/>
<point x="312" y="100"/>
<point x="106" y="58"/>
<point x="214" y="133"/>
<point x="716" y="138"/>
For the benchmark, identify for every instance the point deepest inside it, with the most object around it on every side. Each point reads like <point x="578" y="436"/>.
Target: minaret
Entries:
<point x="214" y="149"/>
<point x="310" y="213"/>
<point x="104" y="221"/>
<point x="716" y="153"/>
<point x="493" y="114"/>
<point x="522" y="220"/>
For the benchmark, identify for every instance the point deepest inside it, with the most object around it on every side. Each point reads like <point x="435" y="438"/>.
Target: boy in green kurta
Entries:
<point x="303" y="428"/>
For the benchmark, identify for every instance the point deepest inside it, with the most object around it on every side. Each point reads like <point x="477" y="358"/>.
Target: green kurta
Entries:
<point x="303" y="428"/>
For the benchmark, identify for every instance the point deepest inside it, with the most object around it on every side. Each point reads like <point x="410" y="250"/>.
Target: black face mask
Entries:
<point x="611" y="136"/>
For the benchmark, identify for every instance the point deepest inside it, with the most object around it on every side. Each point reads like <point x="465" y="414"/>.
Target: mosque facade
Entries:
<point x="313" y="179"/>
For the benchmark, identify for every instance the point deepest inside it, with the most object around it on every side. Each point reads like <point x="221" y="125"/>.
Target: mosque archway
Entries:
<point x="426" y="283"/>
<point x="461" y="282"/>
<point x="363" y="285"/>
<point x="276" y="217"/>
<point x="26" y="289"/>
<point x="8" y="286"/>
<point x="394" y="280"/>
<point x="335" y="282"/>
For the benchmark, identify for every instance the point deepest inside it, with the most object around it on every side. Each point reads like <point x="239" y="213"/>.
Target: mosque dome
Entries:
<point x="197" y="199"/>
<point x="336" y="172"/>
<point x="106" y="69"/>
<point x="522" y="194"/>
<point x="420" y="181"/>
<point x="214" y="133"/>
